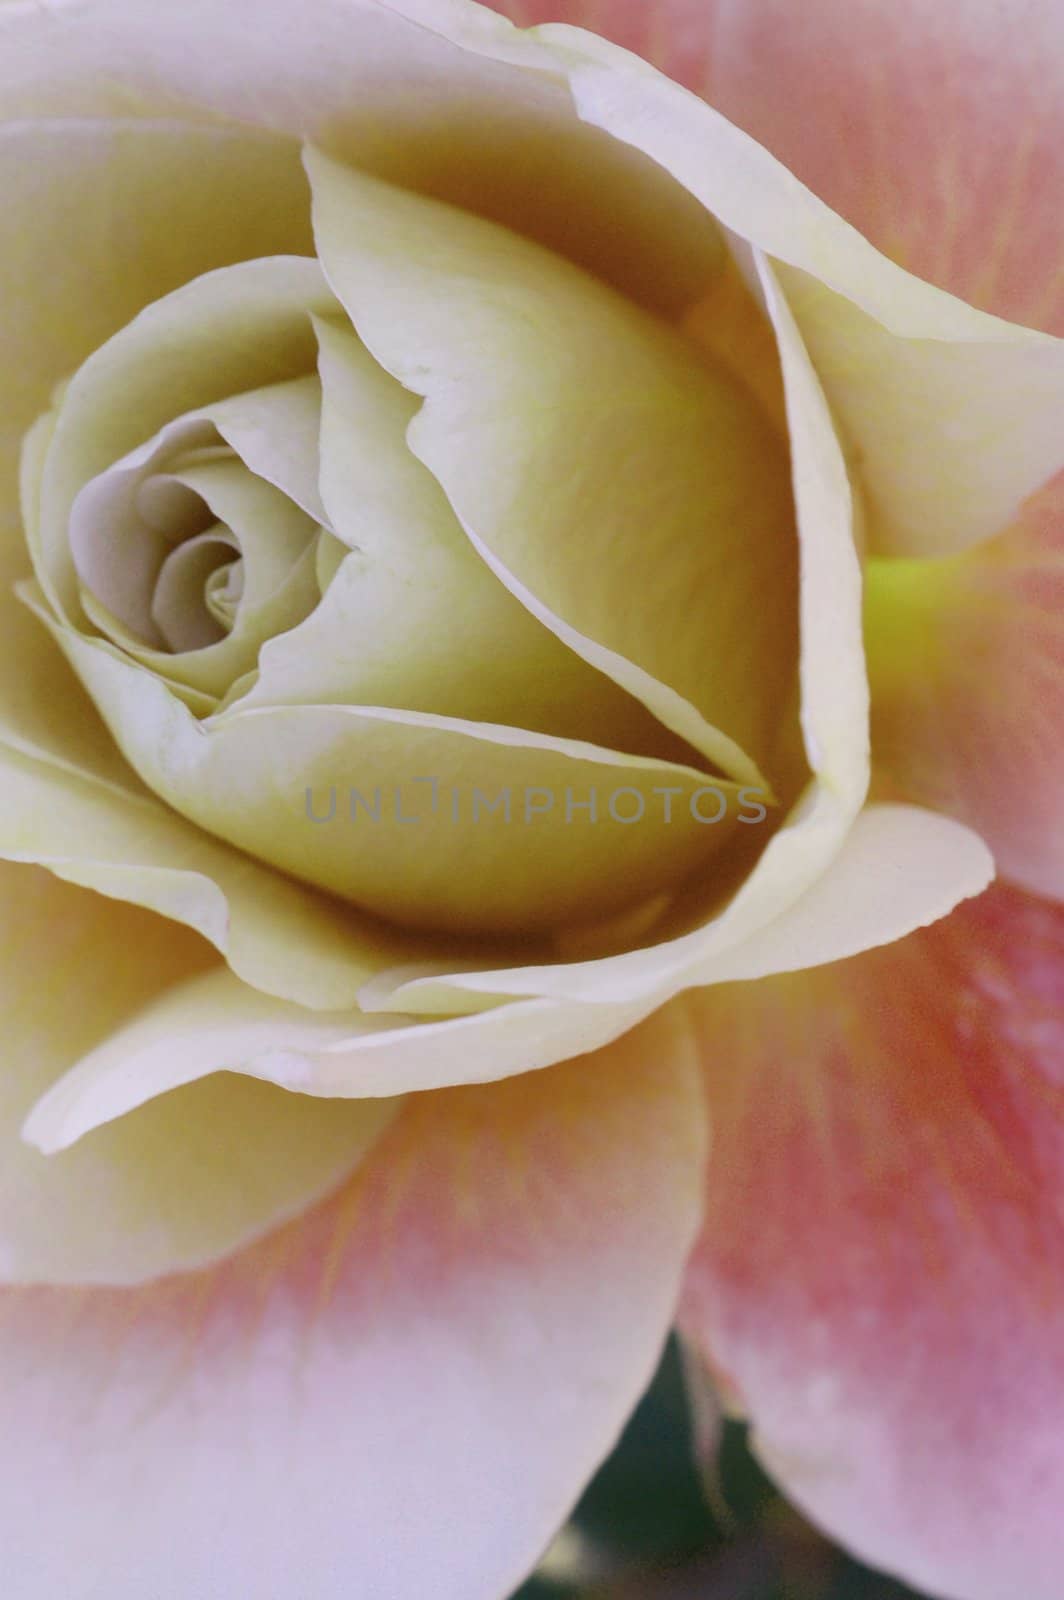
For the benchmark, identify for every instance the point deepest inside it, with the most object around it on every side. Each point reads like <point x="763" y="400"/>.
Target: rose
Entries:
<point x="477" y="1214"/>
<point x="237" y="551"/>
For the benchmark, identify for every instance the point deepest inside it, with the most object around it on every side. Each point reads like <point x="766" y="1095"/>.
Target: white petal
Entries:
<point x="178" y="1184"/>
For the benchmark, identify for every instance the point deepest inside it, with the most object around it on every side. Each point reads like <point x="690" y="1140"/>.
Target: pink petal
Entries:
<point x="399" y="1396"/>
<point x="937" y="129"/>
<point x="880" y="1276"/>
<point x="966" y="664"/>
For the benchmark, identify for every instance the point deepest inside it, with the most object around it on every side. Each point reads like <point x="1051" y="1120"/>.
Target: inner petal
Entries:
<point x="625" y="489"/>
<point x="224" y="591"/>
<point x="180" y="607"/>
<point x="165" y="505"/>
<point x="190" y="561"/>
<point x="125" y="523"/>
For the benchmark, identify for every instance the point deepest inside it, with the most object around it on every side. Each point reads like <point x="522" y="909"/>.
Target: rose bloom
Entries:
<point x="531" y="595"/>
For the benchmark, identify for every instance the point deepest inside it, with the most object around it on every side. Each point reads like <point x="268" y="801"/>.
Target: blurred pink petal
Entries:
<point x="880" y="1275"/>
<point x="966" y="663"/>
<point x="937" y="129"/>
<point x="400" y="1395"/>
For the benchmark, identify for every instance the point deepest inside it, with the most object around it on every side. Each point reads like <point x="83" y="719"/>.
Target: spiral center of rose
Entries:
<point x="190" y="565"/>
<point x="434" y="572"/>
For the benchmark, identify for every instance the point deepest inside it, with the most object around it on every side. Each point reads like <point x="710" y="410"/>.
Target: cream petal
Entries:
<point x="330" y="557"/>
<point x="921" y="865"/>
<point x="230" y="330"/>
<point x="900" y="869"/>
<point x="414" y="618"/>
<point x="892" y="864"/>
<point x="721" y="166"/>
<point x="271" y="532"/>
<point x="953" y="412"/>
<point x="120" y="553"/>
<point x="101" y="218"/>
<point x="124" y="520"/>
<point x="393" y="93"/>
<point x="799" y="906"/>
<point x="277" y="545"/>
<point x="380" y="806"/>
<point x="631" y="496"/>
<point x="71" y="191"/>
<point x="106" y="832"/>
<point x="225" y="1026"/>
<point x="207" y="678"/>
<point x="952" y="434"/>
<point x="179" y="606"/>
<point x="835" y="725"/>
<point x="275" y="432"/>
<point x="224" y="590"/>
<point x="182" y="1182"/>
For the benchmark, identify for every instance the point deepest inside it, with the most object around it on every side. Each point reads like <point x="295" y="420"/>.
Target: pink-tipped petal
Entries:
<point x="966" y="664"/>
<point x="399" y="1396"/>
<point x="880" y="1275"/>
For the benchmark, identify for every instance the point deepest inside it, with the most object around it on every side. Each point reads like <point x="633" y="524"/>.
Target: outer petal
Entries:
<point x="213" y="1023"/>
<point x="101" y="218"/>
<point x="105" y="831"/>
<point x="178" y="1184"/>
<point x="899" y="869"/>
<point x="344" y="1404"/>
<point x="221" y="1024"/>
<point x="938" y="130"/>
<point x="887" y="879"/>
<point x="966" y="660"/>
<point x="879" y="1279"/>
<point x="405" y="89"/>
<point x="952" y="413"/>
